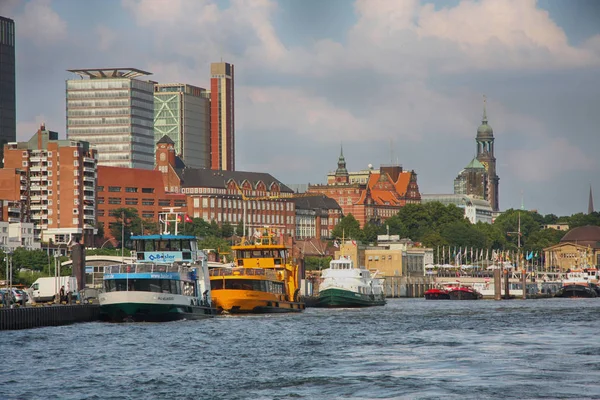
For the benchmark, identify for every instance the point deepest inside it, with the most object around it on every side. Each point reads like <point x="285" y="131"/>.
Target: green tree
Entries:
<point x="127" y="222"/>
<point x="226" y="230"/>
<point x="239" y="228"/>
<point x="220" y="245"/>
<point x="494" y="237"/>
<point x="371" y="230"/>
<point x="348" y="227"/>
<point x="464" y="235"/>
<point x="434" y="239"/>
<point x="313" y="263"/>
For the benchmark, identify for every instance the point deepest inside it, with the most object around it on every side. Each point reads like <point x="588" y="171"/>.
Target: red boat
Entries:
<point x="437" y="294"/>
<point x="464" y="293"/>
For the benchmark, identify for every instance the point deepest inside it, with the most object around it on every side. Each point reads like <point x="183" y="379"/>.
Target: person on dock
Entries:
<point x="62" y="294"/>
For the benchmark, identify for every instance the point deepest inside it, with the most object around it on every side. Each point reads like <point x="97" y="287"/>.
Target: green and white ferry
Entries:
<point x="169" y="281"/>
<point x="343" y="285"/>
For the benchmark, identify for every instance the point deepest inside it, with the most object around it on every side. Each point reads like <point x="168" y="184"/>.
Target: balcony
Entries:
<point x="14" y="209"/>
<point x="36" y="159"/>
<point x="89" y="169"/>
<point x="88" y="198"/>
<point x="37" y="206"/>
<point x="35" y="168"/>
<point x="23" y="197"/>
<point x="35" y="216"/>
<point x="14" y="219"/>
<point x="22" y="187"/>
<point x="88" y="226"/>
<point x="35" y="178"/>
<point x="90" y="178"/>
<point x="89" y="207"/>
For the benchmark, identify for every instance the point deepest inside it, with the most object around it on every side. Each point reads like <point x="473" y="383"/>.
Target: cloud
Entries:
<point x="41" y="24"/>
<point x="8" y="7"/>
<point x="106" y="37"/>
<point x="550" y="160"/>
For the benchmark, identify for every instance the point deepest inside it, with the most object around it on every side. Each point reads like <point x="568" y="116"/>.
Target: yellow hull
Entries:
<point x="247" y="301"/>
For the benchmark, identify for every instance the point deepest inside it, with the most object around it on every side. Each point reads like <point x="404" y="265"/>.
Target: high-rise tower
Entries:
<point x="591" y="202"/>
<point x="485" y="155"/>
<point x="114" y="111"/>
<point x="8" y="117"/>
<point x="222" y="117"/>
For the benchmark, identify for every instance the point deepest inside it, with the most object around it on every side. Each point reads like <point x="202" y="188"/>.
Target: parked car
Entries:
<point x="17" y="296"/>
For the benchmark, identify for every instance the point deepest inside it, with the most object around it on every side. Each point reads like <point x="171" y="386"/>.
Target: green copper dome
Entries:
<point x="484" y="129"/>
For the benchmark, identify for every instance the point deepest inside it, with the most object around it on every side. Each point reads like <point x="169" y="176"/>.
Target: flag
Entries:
<point x="187" y="218"/>
<point x="336" y="244"/>
<point x="354" y="243"/>
<point x="179" y="218"/>
<point x="529" y="255"/>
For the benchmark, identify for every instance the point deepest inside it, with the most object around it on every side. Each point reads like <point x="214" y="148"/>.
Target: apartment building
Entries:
<point x="58" y="193"/>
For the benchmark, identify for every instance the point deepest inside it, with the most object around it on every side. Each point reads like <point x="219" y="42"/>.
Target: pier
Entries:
<point x="54" y="315"/>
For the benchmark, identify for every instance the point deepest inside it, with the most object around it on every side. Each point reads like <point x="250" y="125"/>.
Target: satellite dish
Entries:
<point x="370" y="166"/>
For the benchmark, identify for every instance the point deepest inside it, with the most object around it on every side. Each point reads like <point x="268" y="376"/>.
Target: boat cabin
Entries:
<point x="165" y="248"/>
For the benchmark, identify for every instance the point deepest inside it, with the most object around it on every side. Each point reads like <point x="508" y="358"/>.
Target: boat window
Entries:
<point x="175" y="245"/>
<point x="186" y="245"/>
<point x="146" y="245"/>
<point x="149" y="285"/>
<point x="162" y="245"/>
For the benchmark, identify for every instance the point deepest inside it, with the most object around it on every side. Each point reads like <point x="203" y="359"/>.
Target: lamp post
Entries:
<point x="101" y="247"/>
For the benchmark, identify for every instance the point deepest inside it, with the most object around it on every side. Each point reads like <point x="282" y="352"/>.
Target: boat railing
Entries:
<point x="240" y="271"/>
<point x="144" y="268"/>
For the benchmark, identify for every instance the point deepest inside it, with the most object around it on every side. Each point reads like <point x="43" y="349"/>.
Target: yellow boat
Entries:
<point x="262" y="279"/>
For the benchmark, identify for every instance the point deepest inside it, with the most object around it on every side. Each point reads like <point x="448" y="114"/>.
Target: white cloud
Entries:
<point x="40" y="23"/>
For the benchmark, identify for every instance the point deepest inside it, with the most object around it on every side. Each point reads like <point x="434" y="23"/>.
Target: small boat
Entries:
<point x="169" y="281"/>
<point x="437" y="294"/>
<point x="582" y="283"/>
<point x="343" y="285"/>
<point x="464" y="293"/>
<point x="262" y="278"/>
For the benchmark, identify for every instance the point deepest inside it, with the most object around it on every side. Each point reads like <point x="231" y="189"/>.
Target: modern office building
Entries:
<point x="114" y="111"/>
<point x="182" y="112"/>
<point x="8" y="117"/>
<point x="59" y="191"/>
<point x="222" y="116"/>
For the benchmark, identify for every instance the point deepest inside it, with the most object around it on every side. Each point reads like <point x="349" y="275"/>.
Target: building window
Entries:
<point x="75" y="221"/>
<point x="100" y="189"/>
<point x="114" y="200"/>
<point x="114" y="188"/>
<point x="24" y="163"/>
<point x="164" y="203"/>
<point x="147" y="215"/>
<point x="100" y="200"/>
<point x="131" y="189"/>
<point x="147" y="202"/>
<point x="50" y="163"/>
<point x="24" y="154"/>
<point x="75" y="182"/>
<point x="131" y="201"/>
<point x="147" y="190"/>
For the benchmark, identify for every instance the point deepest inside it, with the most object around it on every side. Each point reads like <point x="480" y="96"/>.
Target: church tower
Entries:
<point x="485" y="155"/>
<point x="341" y="173"/>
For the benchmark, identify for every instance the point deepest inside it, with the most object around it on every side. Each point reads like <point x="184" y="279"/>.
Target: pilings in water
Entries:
<point x="35" y="317"/>
<point x="497" y="285"/>
<point x="506" y="285"/>
<point x="407" y="286"/>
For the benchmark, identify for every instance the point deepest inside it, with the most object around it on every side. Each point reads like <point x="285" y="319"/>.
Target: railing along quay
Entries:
<point x="54" y="315"/>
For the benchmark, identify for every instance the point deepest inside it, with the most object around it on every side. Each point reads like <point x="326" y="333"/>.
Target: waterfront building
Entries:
<point x="381" y="195"/>
<point x="114" y="111"/>
<point x="222" y="116"/>
<point x="18" y="234"/>
<point x="316" y="216"/>
<point x="182" y="112"/>
<point x="579" y="247"/>
<point x="559" y="226"/>
<point x="55" y="181"/>
<point x="8" y="116"/>
<point x="479" y="177"/>
<point x="140" y="189"/>
<point x="476" y="208"/>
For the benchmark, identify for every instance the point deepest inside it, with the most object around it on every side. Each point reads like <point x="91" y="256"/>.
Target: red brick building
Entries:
<point x="55" y="183"/>
<point x="374" y="196"/>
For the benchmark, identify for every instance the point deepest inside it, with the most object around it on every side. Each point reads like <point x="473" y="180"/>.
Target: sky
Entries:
<point x="392" y="81"/>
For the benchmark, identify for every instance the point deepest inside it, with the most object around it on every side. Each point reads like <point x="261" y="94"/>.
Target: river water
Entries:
<point x="408" y="349"/>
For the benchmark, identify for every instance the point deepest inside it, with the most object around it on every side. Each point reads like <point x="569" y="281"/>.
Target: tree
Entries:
<point x="220" y="245"/>
<point x="226" y="230"/>
<point x="348" y="227"/>
<point x="312" y="263"/>
<point x="434" y="240"/>
<point x="239" y="228"/>
<point x="370" y="232"/>
<point x="128" y="217"/>
<point x="464" y="235"/>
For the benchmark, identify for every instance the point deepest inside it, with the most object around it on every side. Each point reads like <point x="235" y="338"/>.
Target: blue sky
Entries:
<point x="311" y="74"/>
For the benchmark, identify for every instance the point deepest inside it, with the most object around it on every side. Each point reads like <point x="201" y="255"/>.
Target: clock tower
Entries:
<point x="485" y="155"/>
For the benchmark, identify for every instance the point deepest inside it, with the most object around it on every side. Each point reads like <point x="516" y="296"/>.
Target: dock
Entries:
<point x="47" y="315"/>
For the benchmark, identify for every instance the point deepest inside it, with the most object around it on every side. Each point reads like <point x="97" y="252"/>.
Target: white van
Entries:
<point x="44" y="289"/>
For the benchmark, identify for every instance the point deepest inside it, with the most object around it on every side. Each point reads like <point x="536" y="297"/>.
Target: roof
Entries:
<point x="162" y="237"/>
<point x="198" y="177"/>
<point x="165" y="139"/>
<point x="475" y="163"/>
<point x="584" y="235"/>
<point x="107" y="73"/>
<point x="382" y="195"/>
<point x="315" y="202"/>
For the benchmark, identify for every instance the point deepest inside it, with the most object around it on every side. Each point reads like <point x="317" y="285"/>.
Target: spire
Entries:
<point x="591" y="202"/>
<point x="484" y="120"/>
<point x="341" y="150"/>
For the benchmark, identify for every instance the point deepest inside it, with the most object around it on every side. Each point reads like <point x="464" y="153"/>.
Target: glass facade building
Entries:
<point x="182" y="112"/>
<point x="114" y="112"/>
<point x="8" y="117"/>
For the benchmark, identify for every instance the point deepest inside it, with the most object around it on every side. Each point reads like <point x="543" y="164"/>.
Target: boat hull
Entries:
<point x="150" y="307"/>
<point x="339" y="298"/>
<point x="231" y="301"/>
<point x="576" y="291"/>
<point x="436" y="295"/>
<point x="464" y="295"/>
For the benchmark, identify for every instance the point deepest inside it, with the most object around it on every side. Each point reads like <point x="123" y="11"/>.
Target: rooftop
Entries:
<point x="107" y="73"/>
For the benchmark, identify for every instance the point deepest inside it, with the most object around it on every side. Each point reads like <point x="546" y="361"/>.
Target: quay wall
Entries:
<point x="38" y="316"/>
